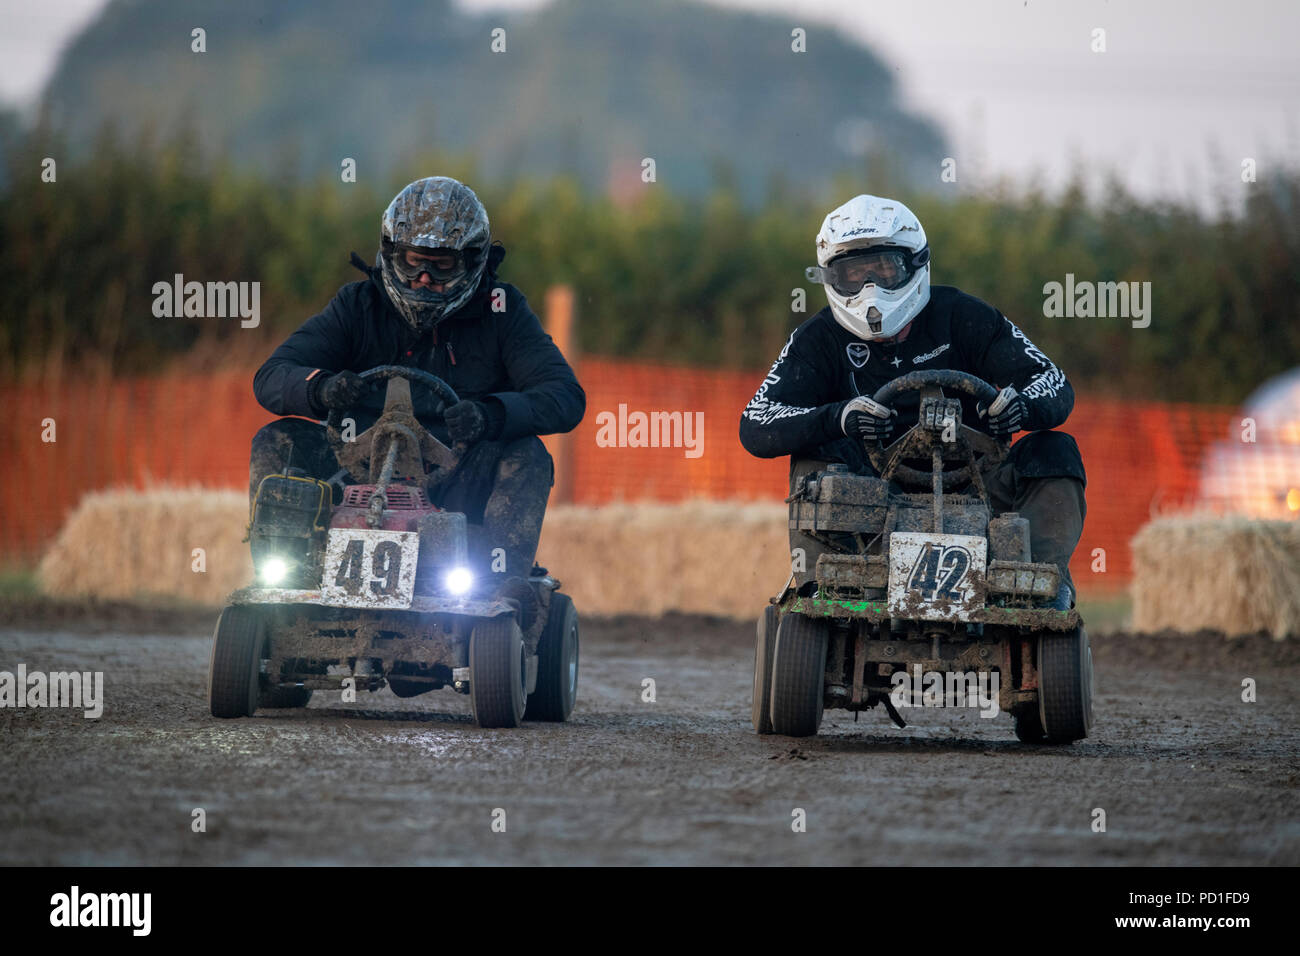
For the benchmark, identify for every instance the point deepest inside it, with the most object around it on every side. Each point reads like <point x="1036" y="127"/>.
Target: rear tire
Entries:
<point x="1065" y="685"/>
<point x="405" y="689"/>
<point x="764" y="648"/>
<point x="234" y="675"/>
<point x="557" y="663"/>
<point x="497" y="672"/>
<point x="1029" y="726"/>
<point x="286" y="698"/>
<point x="798" y="675"/>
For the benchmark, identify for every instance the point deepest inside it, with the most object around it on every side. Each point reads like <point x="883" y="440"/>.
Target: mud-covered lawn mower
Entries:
<point x="920" y="582"/>
<point x="378" y="588"/>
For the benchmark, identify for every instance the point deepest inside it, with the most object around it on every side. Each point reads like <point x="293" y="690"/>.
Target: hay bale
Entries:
<point x="706" y="557"/>
<point x="139" y="545"/>
<point x="1231" y="574"/>
<point x="702" y="557"/>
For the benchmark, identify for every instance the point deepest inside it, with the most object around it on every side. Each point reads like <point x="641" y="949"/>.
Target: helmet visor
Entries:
<point x="886" y="268"/>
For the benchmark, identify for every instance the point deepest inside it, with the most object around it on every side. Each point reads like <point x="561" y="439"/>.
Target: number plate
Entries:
<point x="370" y="568"/>
<point x="936" y="577"/>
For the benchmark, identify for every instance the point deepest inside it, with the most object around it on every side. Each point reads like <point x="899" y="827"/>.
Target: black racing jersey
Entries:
<point x="823" y="365"/>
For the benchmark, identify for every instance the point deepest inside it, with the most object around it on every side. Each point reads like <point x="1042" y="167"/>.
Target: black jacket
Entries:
<point x="481" y="354"/>
<point x="823" y="365"/>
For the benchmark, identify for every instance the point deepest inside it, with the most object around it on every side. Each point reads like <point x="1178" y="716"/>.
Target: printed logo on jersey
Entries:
<point x="929" y="355"/>
<point x="763" y="411"/>
<point x="1046" y="383"/>
<point x="859" y="352"/>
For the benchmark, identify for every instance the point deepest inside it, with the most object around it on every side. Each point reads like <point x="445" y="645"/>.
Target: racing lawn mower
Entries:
<point x="377" y="588"/>
<point x="920" y="583"/>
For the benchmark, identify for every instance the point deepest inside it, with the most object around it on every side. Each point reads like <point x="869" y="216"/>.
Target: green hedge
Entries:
<point x="664" y="277"/>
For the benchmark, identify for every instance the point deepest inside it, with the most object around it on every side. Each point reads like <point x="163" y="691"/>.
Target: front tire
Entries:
<point x="497" y="672"/>
<point x="1065" y="686"/>
<point x="798" y="675"/>
<point x="557" y="664"/>
<point x="234" y="674"/>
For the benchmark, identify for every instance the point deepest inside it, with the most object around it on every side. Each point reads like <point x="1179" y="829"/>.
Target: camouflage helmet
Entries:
<point x="435" y="213"/>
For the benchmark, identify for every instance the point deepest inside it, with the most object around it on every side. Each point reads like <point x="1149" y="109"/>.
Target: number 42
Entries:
<point x="939" y="572"/>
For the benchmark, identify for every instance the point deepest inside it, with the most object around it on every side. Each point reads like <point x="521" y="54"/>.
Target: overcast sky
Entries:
<point x="1185" y="90"/>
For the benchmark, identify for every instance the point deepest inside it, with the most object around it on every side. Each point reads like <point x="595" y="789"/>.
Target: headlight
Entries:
<point x="274" y="570"/>
<point x="459" y="580"/>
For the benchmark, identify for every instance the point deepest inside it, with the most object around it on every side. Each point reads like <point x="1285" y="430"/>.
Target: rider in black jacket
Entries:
<point x="884" y="321"/>
<point x="433" y="301"/>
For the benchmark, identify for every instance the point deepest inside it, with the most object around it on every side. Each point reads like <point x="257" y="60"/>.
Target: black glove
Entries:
<point x="1010" y="414"/>
<point x="470" y="421"/>
<point x="338" y="391"/>
<point x="868" y="420"/>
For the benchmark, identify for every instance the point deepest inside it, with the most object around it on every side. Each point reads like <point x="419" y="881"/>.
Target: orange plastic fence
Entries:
<point x="196" y="430"/>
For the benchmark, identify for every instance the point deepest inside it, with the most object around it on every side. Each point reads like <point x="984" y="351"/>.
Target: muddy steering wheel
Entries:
<point x="364" y="458"/>
<point x="979" y="451"/>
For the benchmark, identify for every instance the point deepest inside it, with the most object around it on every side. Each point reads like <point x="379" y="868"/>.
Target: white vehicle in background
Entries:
<point x="1260" y="478"/>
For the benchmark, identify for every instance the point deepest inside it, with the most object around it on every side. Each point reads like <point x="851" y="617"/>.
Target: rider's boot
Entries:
<point x="1055" y="509"/>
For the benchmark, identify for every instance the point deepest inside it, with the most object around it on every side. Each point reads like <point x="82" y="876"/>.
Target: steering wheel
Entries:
<point x="979" y="451"/>
<point x="363" y="458"/>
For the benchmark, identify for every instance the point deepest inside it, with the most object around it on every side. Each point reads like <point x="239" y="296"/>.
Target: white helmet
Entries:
<point x="874" y="262"/>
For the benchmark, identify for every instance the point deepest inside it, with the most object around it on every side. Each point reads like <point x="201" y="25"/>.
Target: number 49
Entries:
<point x="385" y="567"/>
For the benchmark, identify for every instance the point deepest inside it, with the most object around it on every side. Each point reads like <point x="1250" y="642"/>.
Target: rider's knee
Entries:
<point x="282" y="429"/>
<point x="528" y="455"/>
<point x="1048" y="454"/>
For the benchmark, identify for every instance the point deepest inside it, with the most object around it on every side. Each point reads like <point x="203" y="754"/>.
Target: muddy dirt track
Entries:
<point x="1186" y="772"/>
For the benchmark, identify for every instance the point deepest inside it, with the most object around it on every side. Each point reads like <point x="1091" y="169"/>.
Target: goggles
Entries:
<point x="887" y="267"/>
<point x="442" y="265"/>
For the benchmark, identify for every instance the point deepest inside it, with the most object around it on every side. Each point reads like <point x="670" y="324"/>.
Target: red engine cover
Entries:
<point x="405" y="506"/>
